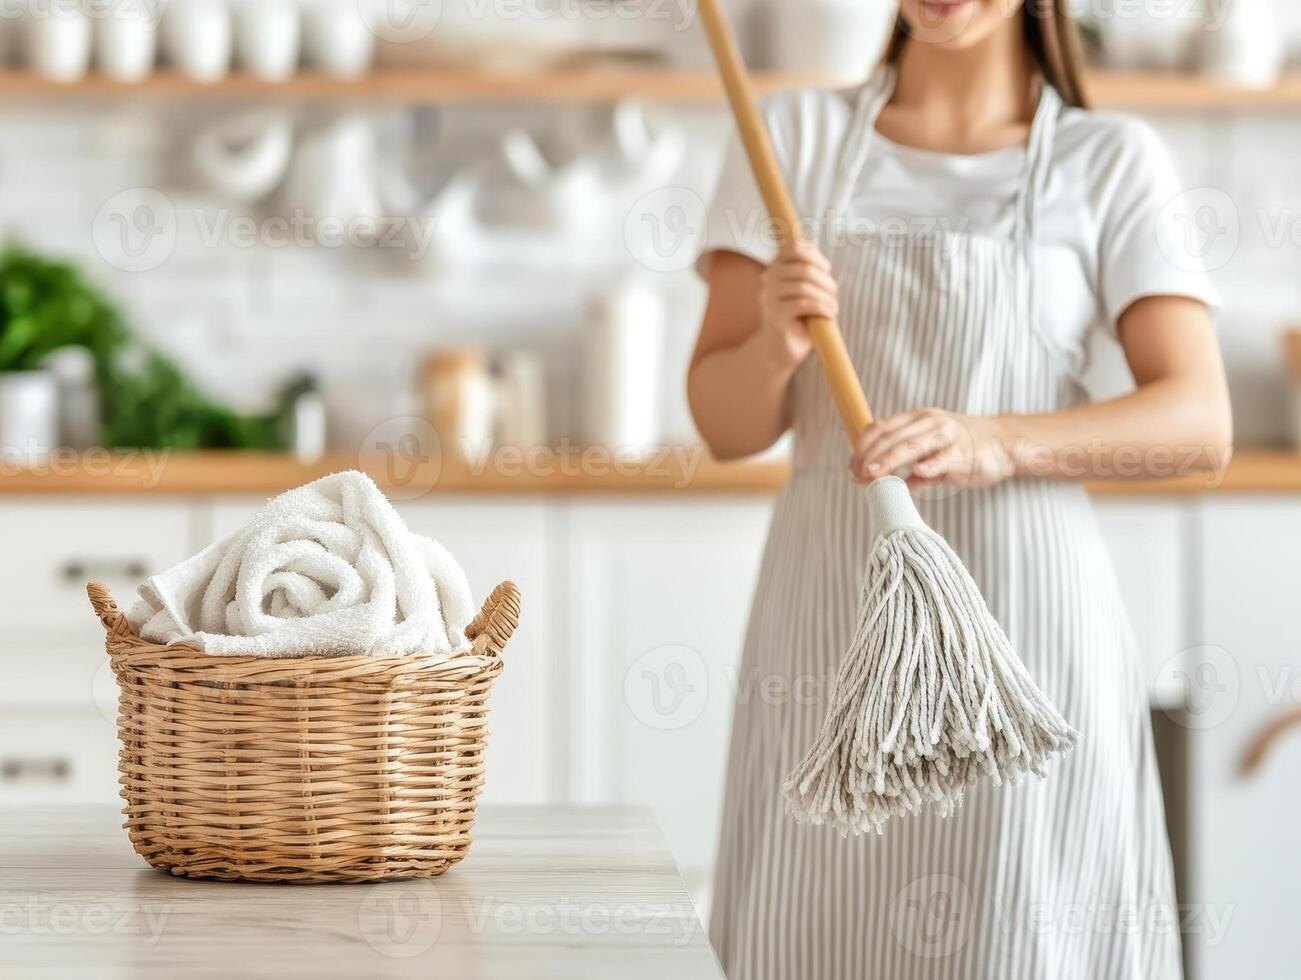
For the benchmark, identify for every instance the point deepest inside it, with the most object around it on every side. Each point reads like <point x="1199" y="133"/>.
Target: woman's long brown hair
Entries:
<point x="1050" y="36"/>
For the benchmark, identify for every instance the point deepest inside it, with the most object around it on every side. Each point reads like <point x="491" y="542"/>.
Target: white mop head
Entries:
<point x="930" y="696"/>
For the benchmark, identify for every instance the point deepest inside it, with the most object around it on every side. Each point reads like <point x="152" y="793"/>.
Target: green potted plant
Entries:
<point x="44" y="306"/>
<point x="144" y="398"/>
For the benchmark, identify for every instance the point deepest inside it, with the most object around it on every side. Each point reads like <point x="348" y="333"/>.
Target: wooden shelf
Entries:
<point x="1131" y="90"/>
<point x="599" y="83"/>
<point x="415" y="85"/>
<point x="680" y="471"/>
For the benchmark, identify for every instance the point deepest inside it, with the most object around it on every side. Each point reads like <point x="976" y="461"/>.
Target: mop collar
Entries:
<point x="892" y="508"/>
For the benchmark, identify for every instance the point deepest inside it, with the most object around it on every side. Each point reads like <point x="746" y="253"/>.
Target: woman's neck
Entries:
<point x="970" y="99"/>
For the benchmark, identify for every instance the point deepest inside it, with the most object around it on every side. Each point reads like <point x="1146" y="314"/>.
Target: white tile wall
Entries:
<point x="243" y="318"/>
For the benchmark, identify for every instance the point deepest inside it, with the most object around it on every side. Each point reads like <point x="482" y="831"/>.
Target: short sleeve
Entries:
<point x="737" y="220"/>
<point x="1154" y="235"/>
<point x="806" y="127"/>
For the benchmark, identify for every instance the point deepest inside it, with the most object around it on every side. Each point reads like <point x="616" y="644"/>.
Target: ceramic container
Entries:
<point x="622" y="347"/>
<point x="29" y="415"/>
<point x="460" y="400"/>
<point x="336" y="38"/>
<point x="1242" y="43"/>
<point x="245" y="156"/>
<point x="332" y="181"/>
<point x="521" y="397"/>
<point x="126" y="40"/>
<point x="58" y="40"/>
<point x="197" y="38"/>
<point x="267" y="37"/>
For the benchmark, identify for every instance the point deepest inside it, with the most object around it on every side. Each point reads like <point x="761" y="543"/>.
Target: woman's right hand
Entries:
<point x="796" y="285"/>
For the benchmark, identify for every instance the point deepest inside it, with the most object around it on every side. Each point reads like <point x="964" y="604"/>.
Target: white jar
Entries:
<point x="29" y="415"/>
<point x="336" y="37"/>
<point x="622" y="352"/>
<point x="58" y="39"/>
<point x="126" y="40"/>
<point x="197" y="38"/>
<point x="267" y="37"/>
<point x="1242" y="44"/>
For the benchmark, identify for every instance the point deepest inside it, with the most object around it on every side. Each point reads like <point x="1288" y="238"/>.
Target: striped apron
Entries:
<point x="1064" y="879"/>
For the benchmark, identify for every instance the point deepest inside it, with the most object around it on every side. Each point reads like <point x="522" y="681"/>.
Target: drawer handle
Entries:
<point x="79" y="571"/>
<point x="1263" y="743"/>
<point x="33" y="770"/>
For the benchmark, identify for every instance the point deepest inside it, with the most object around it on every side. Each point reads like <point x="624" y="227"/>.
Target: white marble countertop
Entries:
<point x="545" y="892"/>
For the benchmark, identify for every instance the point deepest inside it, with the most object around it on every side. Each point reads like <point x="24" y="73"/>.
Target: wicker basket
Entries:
<point x="306" y="769"/>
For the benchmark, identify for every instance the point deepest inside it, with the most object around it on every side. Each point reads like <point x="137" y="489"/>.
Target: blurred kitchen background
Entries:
<point x="410" y="235"/>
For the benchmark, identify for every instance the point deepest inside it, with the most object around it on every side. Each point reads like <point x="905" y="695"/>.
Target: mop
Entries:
<point x="930" y="696"/>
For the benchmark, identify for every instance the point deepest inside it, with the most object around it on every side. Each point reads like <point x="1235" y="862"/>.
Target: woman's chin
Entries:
<point x="952" y="24"/>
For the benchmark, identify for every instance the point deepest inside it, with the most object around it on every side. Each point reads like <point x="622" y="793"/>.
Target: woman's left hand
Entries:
<point x="940" y="448"/>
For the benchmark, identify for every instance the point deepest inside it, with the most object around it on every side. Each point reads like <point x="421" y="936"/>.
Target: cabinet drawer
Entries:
<point x="64" y="669"/>
<point x="658" y="600"/>
<point x="495" y="541"/>
<point x="57" y="757"/>
<point x="52" y="548"/>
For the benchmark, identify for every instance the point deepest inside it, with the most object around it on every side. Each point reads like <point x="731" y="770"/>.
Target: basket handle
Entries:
<point x="497" y="619"/>
<point x="101" y="600"/>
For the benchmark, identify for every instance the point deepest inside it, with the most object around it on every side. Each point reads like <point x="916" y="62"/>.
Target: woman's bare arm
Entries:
<point x="1179" y="416"/>
<point x="1178" y="419"/>
<point x="751" y="342"/>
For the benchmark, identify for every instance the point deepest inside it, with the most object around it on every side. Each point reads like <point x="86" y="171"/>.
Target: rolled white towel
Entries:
<point x="328" y="568"/>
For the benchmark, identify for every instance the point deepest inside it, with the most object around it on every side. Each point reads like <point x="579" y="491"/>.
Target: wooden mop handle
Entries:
<point x="846" y="389"/>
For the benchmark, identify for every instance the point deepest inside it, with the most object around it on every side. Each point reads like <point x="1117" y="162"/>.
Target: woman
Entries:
<point x="977" y="221"/>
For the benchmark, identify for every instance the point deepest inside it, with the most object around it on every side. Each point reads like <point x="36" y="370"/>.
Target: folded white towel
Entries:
<point x="328" y="568"/>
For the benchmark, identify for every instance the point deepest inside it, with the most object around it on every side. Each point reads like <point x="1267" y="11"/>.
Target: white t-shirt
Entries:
<point x="1113" y="225"/>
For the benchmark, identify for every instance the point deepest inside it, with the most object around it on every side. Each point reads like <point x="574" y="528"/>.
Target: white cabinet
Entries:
<point x="1248" y="671"/>
<point x="620" y="683"/>
<point x="658" y="597"/>
<point x="495" y="541"/>
<point x="1152" y="549"/>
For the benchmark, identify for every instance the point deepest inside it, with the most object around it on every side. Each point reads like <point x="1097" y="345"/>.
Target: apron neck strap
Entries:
<point x="872" y="98"/>
<point x="1038" y="161"/>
